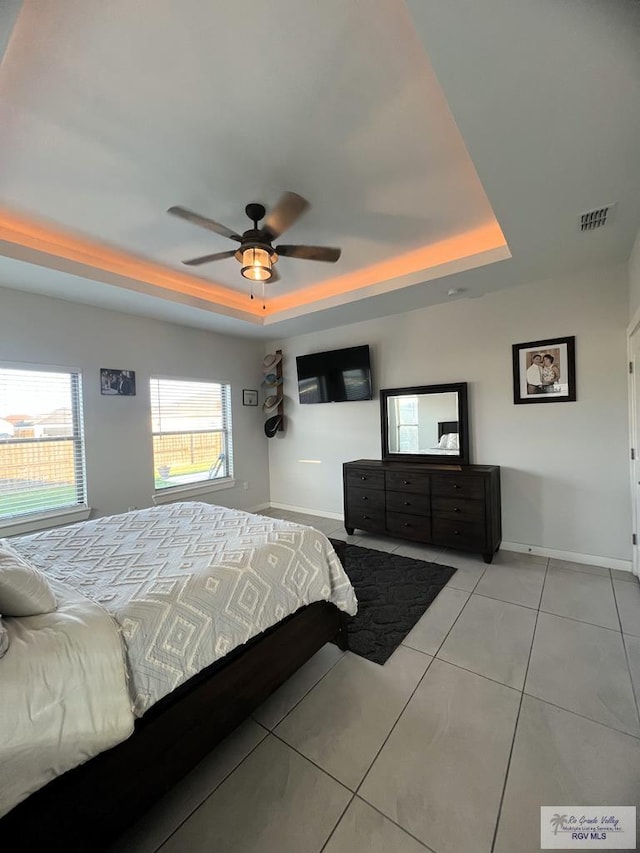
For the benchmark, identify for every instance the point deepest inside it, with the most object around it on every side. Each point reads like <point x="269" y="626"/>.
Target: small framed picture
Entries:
<point x="545" y="371"/>
<point x="249" y="397"/>
<point x="117" y="382"/>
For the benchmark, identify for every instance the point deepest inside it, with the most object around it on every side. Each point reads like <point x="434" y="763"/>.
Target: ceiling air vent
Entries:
<point x="596" y="218"/>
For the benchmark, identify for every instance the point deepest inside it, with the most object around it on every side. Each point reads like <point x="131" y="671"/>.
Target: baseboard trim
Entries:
<point x="570" y="556"/>
<point x="307" y="511"/>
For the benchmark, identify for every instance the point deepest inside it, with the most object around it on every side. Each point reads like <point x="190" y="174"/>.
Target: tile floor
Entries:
<point x="519" y="687"/>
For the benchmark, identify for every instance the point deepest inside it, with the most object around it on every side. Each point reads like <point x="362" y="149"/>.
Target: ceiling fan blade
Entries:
<point x="310" y="253"/>
<point x="289" y="208"/>
<point x="206" y="259"/>
<point x="203" y="222"/>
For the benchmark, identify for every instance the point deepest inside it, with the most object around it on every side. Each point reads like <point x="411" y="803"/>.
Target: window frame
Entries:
<point x="28" y="522"/>
<point x="167" y="494"/>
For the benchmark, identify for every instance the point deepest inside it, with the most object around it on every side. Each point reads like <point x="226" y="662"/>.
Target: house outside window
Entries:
<point x="191" y="426"/>
<point x="42" y="458"/>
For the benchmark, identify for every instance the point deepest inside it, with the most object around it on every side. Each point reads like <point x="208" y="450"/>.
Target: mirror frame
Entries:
<point x="460" y="388"/>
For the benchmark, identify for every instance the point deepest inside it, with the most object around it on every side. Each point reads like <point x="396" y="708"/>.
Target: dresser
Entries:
<point x="450" y="507"/>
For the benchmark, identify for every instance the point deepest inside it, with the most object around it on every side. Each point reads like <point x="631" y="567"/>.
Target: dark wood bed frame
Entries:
<point x="445" y="427"/>
<point x="86" y="808"/>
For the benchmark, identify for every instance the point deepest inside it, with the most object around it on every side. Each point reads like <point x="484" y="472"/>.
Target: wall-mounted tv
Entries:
<point x="336" y="376"/>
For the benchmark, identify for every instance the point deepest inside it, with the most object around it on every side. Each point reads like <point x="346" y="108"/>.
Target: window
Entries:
<point x="407" y="420"/>
<point x="41" y="442"/>
<point x="191" y="424"/>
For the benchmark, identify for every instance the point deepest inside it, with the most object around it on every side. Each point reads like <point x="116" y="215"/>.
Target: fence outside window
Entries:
<point x="42" y="465"/>
<point x="191" y="425"/>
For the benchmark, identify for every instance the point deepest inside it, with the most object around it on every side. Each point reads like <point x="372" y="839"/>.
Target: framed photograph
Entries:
<point x="117" y="382"/>
<point x="249" y="397"/>
<point x="545" y="371"/>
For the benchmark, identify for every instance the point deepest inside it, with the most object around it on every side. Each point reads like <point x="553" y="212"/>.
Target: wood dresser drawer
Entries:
<point x="365" y="477"/>
<point x="408" y="503"/>
<point x="415" y="483"/>
<point x="359" y="498"/>
<point x="409" y="526"/>
<point x="466" y="509"/>
<point x="451" y="506"/>
<point x="458" y="534"/>
<point x="455" y="486"/>
<point x="365" y="518"/>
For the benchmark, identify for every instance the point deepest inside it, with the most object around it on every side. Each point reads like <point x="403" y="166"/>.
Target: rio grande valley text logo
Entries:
<point x="587" y="827"/>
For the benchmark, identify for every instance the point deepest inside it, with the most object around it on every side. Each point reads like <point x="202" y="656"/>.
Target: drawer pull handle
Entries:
<point x="407" y="503"/>
<point x="363" y="477"/>
<point x="406" y="524"/>
<point x="406" y="482"/>
<point x="456" y="486"/>
<point x="365" y="516"/>
<point x="456" y="533"/>
<point x="456" y="509"/>
<point x="365" y="498"/>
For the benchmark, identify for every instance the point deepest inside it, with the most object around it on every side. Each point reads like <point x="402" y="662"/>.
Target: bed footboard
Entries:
<point x="88" y="807"/>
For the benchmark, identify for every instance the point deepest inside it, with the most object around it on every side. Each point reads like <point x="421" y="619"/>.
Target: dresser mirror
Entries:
<point x="426" y="423"/>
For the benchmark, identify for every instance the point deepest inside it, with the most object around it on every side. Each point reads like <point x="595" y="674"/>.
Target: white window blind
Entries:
<point x="191" y="425"/>
<point x="42" y="466"/>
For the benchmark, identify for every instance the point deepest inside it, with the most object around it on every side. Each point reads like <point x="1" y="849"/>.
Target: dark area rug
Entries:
<point x="393" y="592"/>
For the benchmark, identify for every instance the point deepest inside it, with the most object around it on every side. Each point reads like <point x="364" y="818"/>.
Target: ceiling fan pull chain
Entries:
<point x="264" y="307"/>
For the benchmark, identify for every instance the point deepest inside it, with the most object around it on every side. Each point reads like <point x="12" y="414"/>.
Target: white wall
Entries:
<point x="564" y="465"/>
<point x="38" y="329"/>
<point x="634" y="277"/>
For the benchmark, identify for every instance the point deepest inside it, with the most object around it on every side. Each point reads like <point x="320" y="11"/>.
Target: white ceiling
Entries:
<point x="406" y="126"/>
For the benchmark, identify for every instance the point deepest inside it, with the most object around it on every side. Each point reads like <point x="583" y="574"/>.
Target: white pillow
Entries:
<point x="4" y="639"/>
<point x="443" y="440"/>
<point x="24" y="590"/>
<point x="452" y="441"/>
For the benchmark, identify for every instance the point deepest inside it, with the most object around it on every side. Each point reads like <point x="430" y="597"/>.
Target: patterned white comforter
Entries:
<point x="188" y="582"/>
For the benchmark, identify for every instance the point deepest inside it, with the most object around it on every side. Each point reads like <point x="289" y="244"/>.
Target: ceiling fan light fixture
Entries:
<point x="256" y="264"/>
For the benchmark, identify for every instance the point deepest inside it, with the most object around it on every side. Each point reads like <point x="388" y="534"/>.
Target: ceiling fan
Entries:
<point x="256" y="252"/>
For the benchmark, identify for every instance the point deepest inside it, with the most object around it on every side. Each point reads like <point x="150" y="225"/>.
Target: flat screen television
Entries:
<point x="336" y="376"/>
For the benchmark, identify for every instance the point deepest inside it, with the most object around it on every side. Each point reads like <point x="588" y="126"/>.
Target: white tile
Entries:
<point x="469" y="569"/>
<point x="184" y="798"/>
<point x="517" y="583"/>
<point x="578" y="567"/>
<point x="275" y="802"/>
<point x="441" y="773"/>
<point x="463" y="559"/>
<point x="275" y="513"/>
<point x="342" y="723"/>
<point x="620" y="575"/>
<point x="633" y="654"/>
<point x="558" y="759"/>
<point x="588" y="598"/>
<point x="628" y="599"/>
<point x="364" y="830"/>
<point x="431" y="629"/>
<point x="492" y="638"/>
<point x="278" y="705"/>
<point x="582" y="668"/>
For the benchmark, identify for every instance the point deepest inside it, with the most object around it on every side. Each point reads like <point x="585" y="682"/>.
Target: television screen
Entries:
<point x="335" y="377"/>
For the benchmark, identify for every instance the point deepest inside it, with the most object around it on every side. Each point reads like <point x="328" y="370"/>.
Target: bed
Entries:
<point x="214" y="609"/>
<point x="448" y="439"/>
